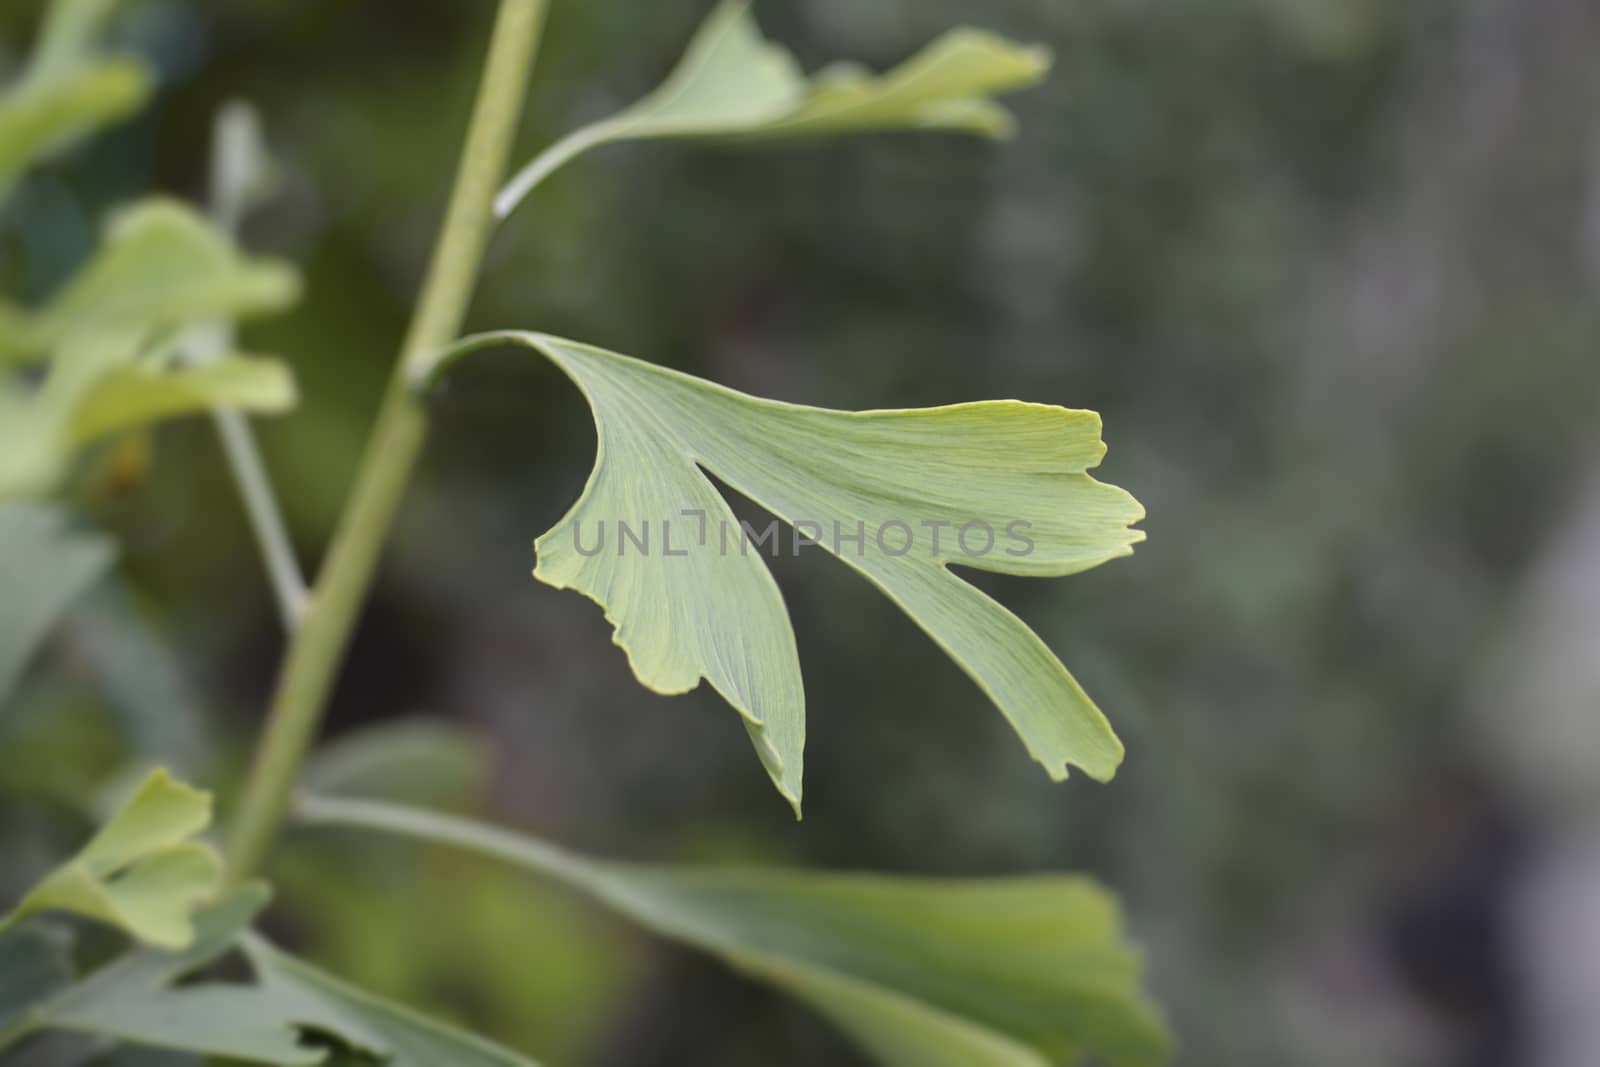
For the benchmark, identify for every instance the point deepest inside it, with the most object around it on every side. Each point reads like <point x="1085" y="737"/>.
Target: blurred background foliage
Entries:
<point x="1327" y="267"/>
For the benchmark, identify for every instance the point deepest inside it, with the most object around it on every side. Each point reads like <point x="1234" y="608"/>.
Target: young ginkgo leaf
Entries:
<point x="161" y="266"/>
<point x="100" y="383"/>
<point x="733" y="83"/>
<point x="39" y="118"/>
<point x="142" y="871"/>
<point x="1001" y="972"/>
<point x="66" y="91"/>
<point x="898" y="495"/>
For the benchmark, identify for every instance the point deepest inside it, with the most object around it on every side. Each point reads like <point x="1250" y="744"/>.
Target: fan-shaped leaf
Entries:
<point x="141" y="872"/>
<point x="161" y="266"/>
<point x="1008" y="972"/>
<point x="733" y="83"/>
<point x="99" y="384"/>
<point x="898" y="495"/>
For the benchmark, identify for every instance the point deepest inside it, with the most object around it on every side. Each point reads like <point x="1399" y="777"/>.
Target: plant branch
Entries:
<point x="261" y="505"/>
<point x="317" y="649"/>
<point x="239" y="172"/>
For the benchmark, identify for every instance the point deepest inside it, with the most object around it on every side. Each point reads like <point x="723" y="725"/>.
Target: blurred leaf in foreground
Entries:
<point x="109" y="334"/>
<point x="35" y="961"/>
<point x="418" y="761"/>
<point x="161" y="266"/>
<point x="1010" y="972"/>
<point x="67" y="91"/>
<point x="293" y="1015"/>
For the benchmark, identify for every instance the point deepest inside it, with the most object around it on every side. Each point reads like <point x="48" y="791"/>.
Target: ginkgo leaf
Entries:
<point x="733" y="83"/>
<point x="418" y="761"/>
<point x="292" y="1014"/>
<point x="66" y="92"/>
<point x="44" y="566"/>
<point x="142" y="871"/>
<point x="398" y="1036"/>
<point x="135" y="999"/>
<point x="37" y="119"/>
<point x="161" y="266"/>
<point x="1005" y="972"/>
<point x="98" y="383"/>
<point x="898" y="495"/>
<point x="133" y="396"/>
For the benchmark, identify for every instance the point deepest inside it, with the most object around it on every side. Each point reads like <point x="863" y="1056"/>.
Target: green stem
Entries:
<point x="317" y="648"/>
<point x="238" y="161"/>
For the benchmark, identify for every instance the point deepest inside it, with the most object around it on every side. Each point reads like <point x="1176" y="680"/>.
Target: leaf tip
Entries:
<point x="1039" y="59"/>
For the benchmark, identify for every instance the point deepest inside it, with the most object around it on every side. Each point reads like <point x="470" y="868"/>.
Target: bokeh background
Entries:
<point x="1329" y="269"/>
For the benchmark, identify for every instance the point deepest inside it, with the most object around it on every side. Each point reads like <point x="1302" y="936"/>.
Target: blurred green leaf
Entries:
<point x="141" y="872"/>
<point x="35" y="961"/>
<point x="419" y="761"/>
<point x="133" y="396"/>
<point x="95" y="387"/>
<point x="161" y="266"/>
<point x="397" y="1035"/>
<point x="37" y="119"/>
<point x="98" y="384"/>
<point x="137" y="999"/>
<point x="44" y="567"/>
<point x="733" y="82"/>
<point x="132" y="999"/>
<point x="699" y="604"/>
<point x="159" y="718"/>
<point x="67" y="37"/>
<point x="66" y="92"/>
<point x="532" y="961"/>
<point x="1011" y="972"/>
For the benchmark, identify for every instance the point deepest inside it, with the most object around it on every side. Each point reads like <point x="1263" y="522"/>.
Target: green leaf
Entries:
<point x="67" y="37"/>
<point x="419" y="761"/>
<point x="35" y="961"/>
<point x="141" y="872"/>
<point x="99" y="384"/>
<point x="39" y="119"/>
<point x="132" y="999"/>
<point x="697" y="602"/>
<point x="733" y="83"/>
<point x="66" y="92"/>
<point x="1007" y="972"/>
<point x="161" y="266"/>
<point x="137" y="1000"/>
<point x="44" y="567"/>
<point x="133" y="396"/>
<point x="399" y="1036"/>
